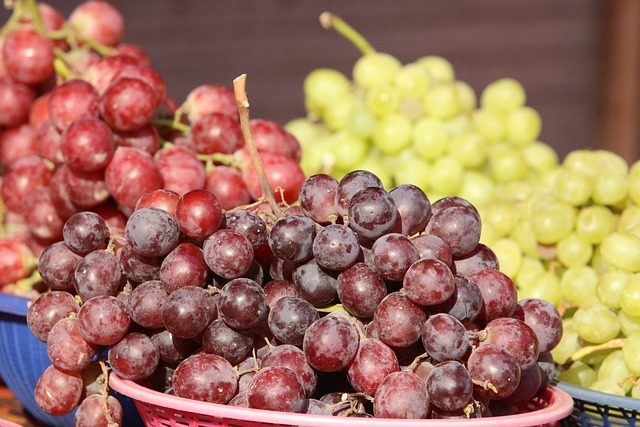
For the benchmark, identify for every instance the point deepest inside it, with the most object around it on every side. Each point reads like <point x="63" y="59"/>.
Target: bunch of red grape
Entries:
<point x="358" y="301"/>
<point x="86" y="125"/>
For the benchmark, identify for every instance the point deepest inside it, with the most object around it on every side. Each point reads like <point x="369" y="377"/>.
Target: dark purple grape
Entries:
<point x="57" y="265"/>
<point x="331" y="343"/>
<point x="184" y="266"/>
<point x="336" y="247"/>
<point x="495" y="372"/>
<point x="516" y="337"/>
<point x="459" y="226"/>
<point x="372" y="213"/>
<point x="350" y="184"/>
<point x="429" y="282"/>
<point x="318" y="198"/>
<point x="66" y="347"/>
<point x="98" y="273"/>
<point x="85" y="232"/>
<point x="228" y="253"/>
<point x="499" y="294"/>
<point x="401" y="395"/>
<point x="172" y="349"/>
<point x="480" y="258"/>
<point x="188" y="311"/>
<point x="248" y="223"/>
<point x="242" y="303"/>
<point x="449" y="386"/>
<point x="543" y="317"/>
<point x="152" y="232"/>
<point x="289" y="319"/>
<point x="276" y="388"/>
<point x="103" y="320"/>
<point x="135" y="357"/>
<point x="57" y="391"/>
<point x="205" y="377"/>
<point x="432" y="246"/>
<point x="373" y="361"/>
<point x="291" y="238"/>
<point x="292" y="357"/>
<point x="360" y="289"/>
<point x="465" y="303"/>
<point x="232" y="344"/>
<point x="314" y="283"/>
<point x="393" y="255"/>
<point x="276" y="289"/>
<point x="399" y="320"/>
<point x="45" y="311"/>
<point x="413" y="207"/>
<point x="146" y="302"/>
<point x="92" y="412"/>
<point x="139" y="268"/>
<point x="445" y="338"/>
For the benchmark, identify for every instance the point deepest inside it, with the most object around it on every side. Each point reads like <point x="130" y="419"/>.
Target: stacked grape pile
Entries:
<point x="85" y="124"/>
<point x="567" y="232"/>
<point x="357" y="302"/>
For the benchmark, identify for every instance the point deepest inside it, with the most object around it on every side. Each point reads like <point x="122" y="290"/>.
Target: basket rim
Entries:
<point x="560" y="406"/>
<point x="14" y="304"/>
<point x="599" y="397"/>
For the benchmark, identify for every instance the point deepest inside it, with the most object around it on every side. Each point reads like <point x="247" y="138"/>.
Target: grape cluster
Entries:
<point x="357" y="301"/>
<point x="565" y="231"/>
<point x="86" y="125"/>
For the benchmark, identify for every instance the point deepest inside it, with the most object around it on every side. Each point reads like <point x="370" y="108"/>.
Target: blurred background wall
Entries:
<point x="577" y="59"/>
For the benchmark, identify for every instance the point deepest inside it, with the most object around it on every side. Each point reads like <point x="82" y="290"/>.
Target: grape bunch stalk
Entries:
<point x="86" y="125"/>
<point x="356" y="301"/>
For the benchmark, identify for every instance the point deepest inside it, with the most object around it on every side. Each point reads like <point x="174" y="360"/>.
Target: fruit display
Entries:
<point x="86" y="125"/>
<point x="359" y="301"/>
<point x="565" y="230"/>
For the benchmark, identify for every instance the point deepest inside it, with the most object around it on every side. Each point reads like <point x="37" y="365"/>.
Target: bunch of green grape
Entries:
<point x="566" y="231"/>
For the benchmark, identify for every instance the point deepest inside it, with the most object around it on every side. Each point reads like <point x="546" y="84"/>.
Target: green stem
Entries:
<point x="172" y="124"/>
<point x="330" y="21"/>
<point x="32" y="7"/>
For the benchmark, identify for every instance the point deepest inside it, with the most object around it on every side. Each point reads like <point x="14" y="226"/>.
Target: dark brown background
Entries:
<point x="559" y="50"/>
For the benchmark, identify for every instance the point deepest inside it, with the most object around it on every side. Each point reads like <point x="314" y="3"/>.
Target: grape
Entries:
<point x="399" y="320"/>
<point x="28" y="56"/>
<point x="160" y="198"/>
<point x="228" y="253"/>
<point x="98" y="273"/>
<point x="146" y="138"/>
<point x="87" y="145"/>
<point x="401" y="395"/>
<point x="134" y="357"/>
<point x="183" y="266"/>
<point x="292" y="357"/>
<point x="449" y="386"/>
<point x="85" y="232"/>
<point x="242" y="303"/>
<point x="284" y="176"/>
<point x="187" y="311"/>
<point x="127" y="104"/>
<point x="429" y="282"/>
<point x="491" y="365"/>
<point x="499" y="293"/>
<point x="276" y="388"/>
<point x="139" y="268"/>
<point x="180" y="169"/>
<point x="360" y="289"/>
<point x="99" y="21"/>
<point x="372" y="213"/>
<point x="145" y="304"/>
<point x="350" y="184"/>
<point x="373" y="361"/>
<point x="248" y="223"/>
<point x="47" y="309"/>
<point x="336" y="247"/>
<point x="205" y="377"/>
<point x="515" y="336"/>
<point x="465" y="304"/>
<point x="291" y="238"/>
<point x="544" y="318"/>
<point x="103" y="320"/>
<point x="289" y="317"/>
<point x="393" y="255"/>
<point x="445" y="338"/>
<point x="199" y="214"/>
<point x="24" y="176"/>
<point x="15" y="100"/>
<point x="228" y="186"/>
<point x="17" y="142"/>
<point x="414" y="208"/>
<point x="152" y="232"/>
<point x="57" y="391"/>
<point x="210" y="98"/>
<point x="315" y="284"/>
<point x="67" y="348"/>
<point x="130" y="174"/>
<point x="318" y="198"/>
<point x="216" y="133"/>
<point x="232" y="344"/>
<point x="91" y="411"/>
<point x="331" y="343"/>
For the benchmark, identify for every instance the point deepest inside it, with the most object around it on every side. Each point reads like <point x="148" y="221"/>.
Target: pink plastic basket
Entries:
<point x="7" y="423"/>
<point x="162" y="410"/>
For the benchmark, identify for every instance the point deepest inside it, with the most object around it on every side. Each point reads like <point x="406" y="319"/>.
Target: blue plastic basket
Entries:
<point x="23" y="358"/>
<point x="593" y="408"/>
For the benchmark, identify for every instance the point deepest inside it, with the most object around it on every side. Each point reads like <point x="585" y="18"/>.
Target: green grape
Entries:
<point x="540" y="157"/>
<point x="629" y="220"/>
<point x="509" y="255"/>
<point x="321" y="86"/>
<point x="573" y="251"/>
<point x="572" y="187"/>
<point x="635" y="390"/>
<point x="578" y="284"/>
<point x="545" y="285"/>
<point x="414" y="171"/>
<point x="621" y="250"/>
<point x="349" y="150"/>
<point x="596" y="325"/>
<point x="361" y="123"/>
<point x="373" y="163"/>
<point x="490" y="125"/>
<point x="552" y="221"/>
<point x="610" y="286"/>
<point x="503" y="215"/>
<point x="411" y="107"/>
<point x="469" y="149"/>
<point x="607" y="385"/>
<point x="579" y="373"/>
<point x="594" y="223"/>
<point x="523" y="125"/>
<point x="337" y="114"/>
<point x="392" y="134"/>
<point x="628" y="324"/>
<point x="584" y="161"/>
<point x="503" y="95"/>
<point x="599" y="263"/>
<point x="634" y="183"/>
<point x="442" y="101"/>
<point x="631" y="352"/>
<point x="611" y="161"/>
<point x="488" y="235"/>
<point x="412" y="79"/>
<point x="610" y="188"/>
<point x="304" y="130"/>
<point x="614" y="367"/>
<point x="568" y="345"/>
<point x="467" y="97"/>
<point x="446" y="175"/>
<point x="376" y="68"/>
<point x="630" y="298"/>
<point x="430" y="138"/>
<point x="529" y="268"/>
<point x="437" y="67"/>
<point x="526" y="238"/>
<point x="382" y="100"/>
<point x="507" y="163"/>
<point x="458" y="125"/>
<point x="477" y="188"/>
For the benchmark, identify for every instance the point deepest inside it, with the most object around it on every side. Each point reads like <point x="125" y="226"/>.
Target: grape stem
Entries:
<point x="239" y="84"/>
<point x="586" y="351"/>
<point x="105" y="394"/>
<point x="330" y="21"/>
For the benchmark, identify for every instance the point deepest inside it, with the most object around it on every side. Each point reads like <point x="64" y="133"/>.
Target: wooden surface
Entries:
<point x="11" y="410"/>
